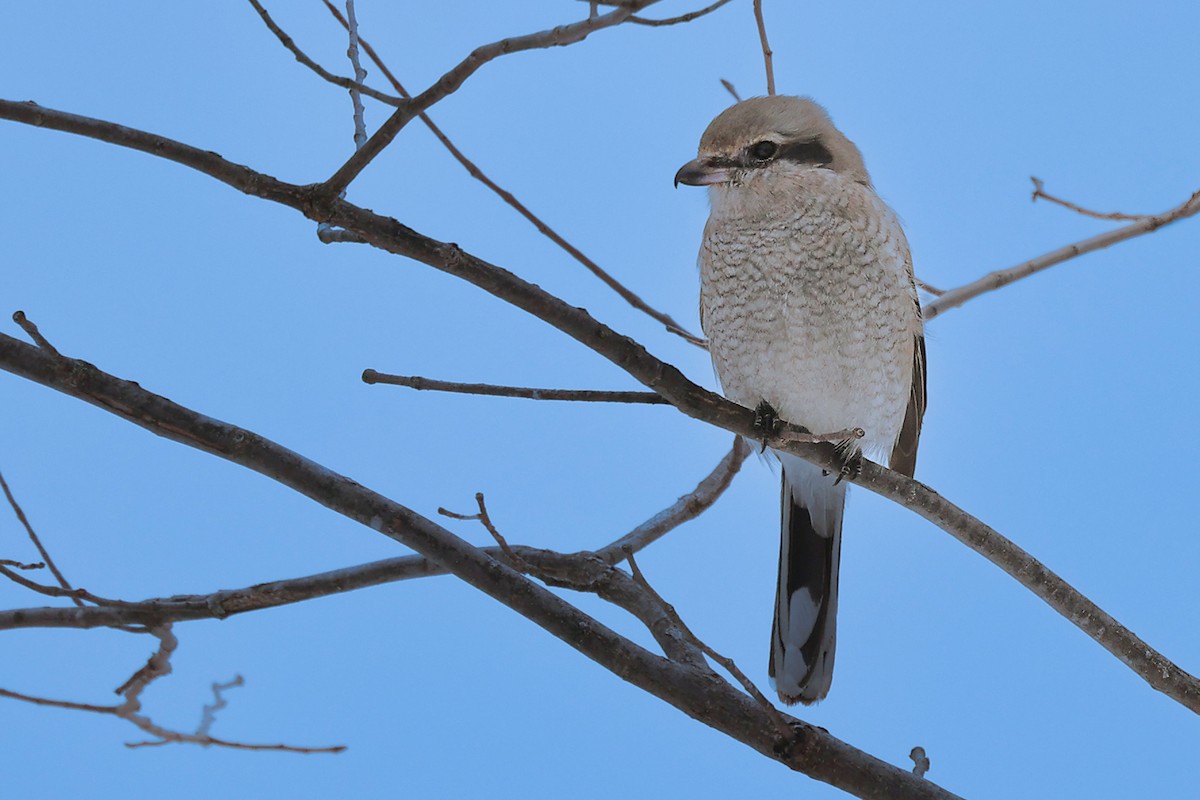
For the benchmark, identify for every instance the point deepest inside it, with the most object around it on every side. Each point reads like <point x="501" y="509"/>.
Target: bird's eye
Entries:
<point x="764" y="151"/>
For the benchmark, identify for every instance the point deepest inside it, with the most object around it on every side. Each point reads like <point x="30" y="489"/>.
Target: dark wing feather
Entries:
<point x="904" y="454"/>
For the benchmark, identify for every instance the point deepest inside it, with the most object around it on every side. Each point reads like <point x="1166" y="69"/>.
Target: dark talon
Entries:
<point x="766" y="422"/>
<point x="851" y="456"/>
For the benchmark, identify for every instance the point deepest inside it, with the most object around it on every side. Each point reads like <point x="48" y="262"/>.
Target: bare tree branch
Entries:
<point x="766" y="47"/>
<point x="159" y="665"/>
<point x="1039" y="190"/>
<point x="450" y="82"/>
<point x="32" y="332"/>
<point x="995" y="280"/>
<point x="8" y="562"/>
<point x="33" y="537"/>
<point x="208" y="714"/>
<point x="688" y="17"/>
<point x="360" y="75"/>
<point x="473" y="169"/>
<point x="526" y="392"/>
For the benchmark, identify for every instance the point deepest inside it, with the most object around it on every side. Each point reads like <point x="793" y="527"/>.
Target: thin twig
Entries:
<point x="728" y="664"/>
<point x="33" y="537"/>
<point x="528" y="393"/>
<point x="345" y="83"/>
<point x="511" y="200"/>
<point x="8" y="562"/>
<point x="688" y="17"/>
<point x="158" y="665"/>
<point x="729" y="88"/>
<point x="360" y="76"/>
<point x="766" y="48"/>
<point x="929" y="287"/>
<point x="208" y="714"/>
<point x="995" y="280"/>
<point x="485" y="519"/>
<point x="450" y="82"/>
<point x="556" y="577"/>
<point x="34" y="586"/>
<point x="1039" y="191"/>
<point x="32" y="332"/>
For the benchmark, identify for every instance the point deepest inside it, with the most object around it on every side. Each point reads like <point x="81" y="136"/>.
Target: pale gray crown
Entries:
<point x="756" y="132"/>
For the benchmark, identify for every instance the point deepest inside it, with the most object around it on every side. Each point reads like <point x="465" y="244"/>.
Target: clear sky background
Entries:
<point x="1060" y="409"/>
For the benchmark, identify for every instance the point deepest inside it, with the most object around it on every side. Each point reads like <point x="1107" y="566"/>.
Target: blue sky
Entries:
<point x="1059" y="408"/>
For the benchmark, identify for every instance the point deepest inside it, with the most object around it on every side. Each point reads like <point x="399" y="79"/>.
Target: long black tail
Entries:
<point x="804" y="635"/>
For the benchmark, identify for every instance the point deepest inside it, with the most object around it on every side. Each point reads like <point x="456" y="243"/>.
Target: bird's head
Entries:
<point x="762" y="141"/>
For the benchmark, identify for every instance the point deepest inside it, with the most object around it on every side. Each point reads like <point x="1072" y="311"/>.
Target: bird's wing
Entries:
<point x="904" y="454"/>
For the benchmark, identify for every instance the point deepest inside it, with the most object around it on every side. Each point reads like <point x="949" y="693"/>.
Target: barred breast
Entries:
<point x="809" y="305"/>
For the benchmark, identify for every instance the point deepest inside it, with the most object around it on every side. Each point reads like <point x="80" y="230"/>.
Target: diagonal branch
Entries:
<point x="451" y="81"/>
<point x="84" y="381"/>
<point x="1000" y="278"/>
<point x="37" y="541"/>
<point x="526" y="392"/>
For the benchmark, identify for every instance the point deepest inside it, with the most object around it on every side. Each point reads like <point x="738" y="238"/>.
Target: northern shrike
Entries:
<point x="808" y="301"/>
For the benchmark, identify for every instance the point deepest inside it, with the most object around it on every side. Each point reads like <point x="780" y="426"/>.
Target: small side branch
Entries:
<point x="32" y="332"/>
<point x="1000" y="278"/>
<point x="526" y="392"/>
<point x="1039" y="190"/>
<point x="768" y="54"/>
<point x="688" y="17"/>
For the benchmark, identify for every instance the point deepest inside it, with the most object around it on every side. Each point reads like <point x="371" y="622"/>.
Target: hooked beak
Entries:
<point x="701" y="172"/>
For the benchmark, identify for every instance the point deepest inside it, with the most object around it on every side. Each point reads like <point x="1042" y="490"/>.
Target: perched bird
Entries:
<point x="808" y="301"/>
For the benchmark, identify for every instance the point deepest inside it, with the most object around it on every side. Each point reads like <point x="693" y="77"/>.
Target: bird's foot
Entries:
<point x="766" y="422"/>
<point x="850" y="454"/>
